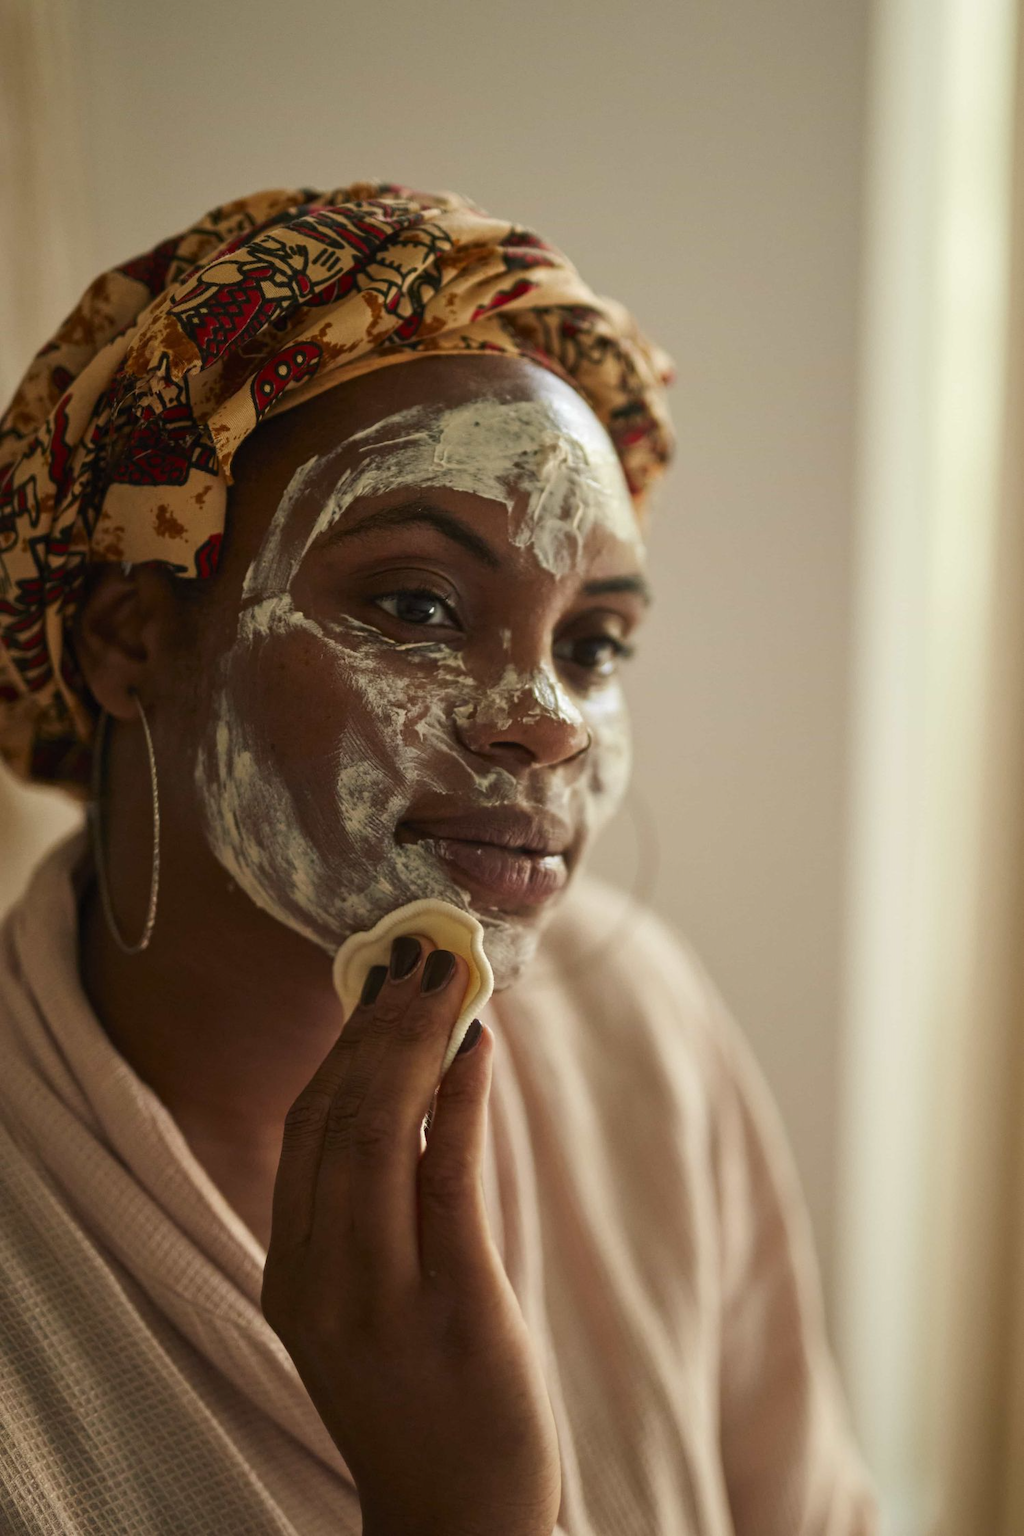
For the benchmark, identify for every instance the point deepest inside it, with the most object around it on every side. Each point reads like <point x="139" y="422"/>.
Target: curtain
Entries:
<point x="978" y="1364"/>
<point x="931" y="1225"/>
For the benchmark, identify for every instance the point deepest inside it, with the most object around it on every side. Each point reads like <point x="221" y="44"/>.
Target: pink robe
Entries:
<point x="641" y="1192"/>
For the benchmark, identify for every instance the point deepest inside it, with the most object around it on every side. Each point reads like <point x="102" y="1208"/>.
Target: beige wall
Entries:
<point x="701" y="162"/>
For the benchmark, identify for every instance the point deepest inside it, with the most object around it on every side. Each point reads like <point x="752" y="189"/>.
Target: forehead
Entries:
<point x="501" y="428"/>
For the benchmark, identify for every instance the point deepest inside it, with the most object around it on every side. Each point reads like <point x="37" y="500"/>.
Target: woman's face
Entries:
<point x="411" y="638"/>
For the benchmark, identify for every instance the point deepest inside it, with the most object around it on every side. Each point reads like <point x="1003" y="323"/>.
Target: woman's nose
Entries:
<point x="542" y="727"/>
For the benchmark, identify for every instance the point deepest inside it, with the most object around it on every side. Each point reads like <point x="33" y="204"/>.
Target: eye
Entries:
<point x="617" y="650"/>
<point x="412" y="601"/>
<point x="416" y="605"/>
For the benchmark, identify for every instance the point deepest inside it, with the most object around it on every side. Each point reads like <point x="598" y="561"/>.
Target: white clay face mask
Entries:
<point x="312" y="840"/>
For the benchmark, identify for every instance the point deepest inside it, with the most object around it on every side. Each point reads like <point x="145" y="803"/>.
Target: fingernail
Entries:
<point x="438" y="969"/>
<point x="404" y="954"/>
<point x="373" y="983"/>
<point x="472" y="1035"/>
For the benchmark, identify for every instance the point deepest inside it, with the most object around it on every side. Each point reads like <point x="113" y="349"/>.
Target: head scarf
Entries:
<point x="118" y="443"/>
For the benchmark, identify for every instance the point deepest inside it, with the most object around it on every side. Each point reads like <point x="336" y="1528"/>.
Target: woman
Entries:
<point x="241" y="1294"/>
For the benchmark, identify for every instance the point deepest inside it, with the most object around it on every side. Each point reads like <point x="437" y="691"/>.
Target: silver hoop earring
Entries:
<point x="96" y="825"/>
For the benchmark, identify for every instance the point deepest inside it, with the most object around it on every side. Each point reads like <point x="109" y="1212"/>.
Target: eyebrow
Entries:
<point x="418" y="511"/>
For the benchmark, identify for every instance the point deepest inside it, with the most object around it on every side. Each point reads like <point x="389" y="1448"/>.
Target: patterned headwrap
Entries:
<point x="118" y="444"/>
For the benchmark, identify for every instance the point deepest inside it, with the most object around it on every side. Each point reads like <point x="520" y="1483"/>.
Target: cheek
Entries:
<point x="319" y="724"/>
<point x="311" y="753"/>
<point x="299" y="702"/>
<point x="611" y="758"/>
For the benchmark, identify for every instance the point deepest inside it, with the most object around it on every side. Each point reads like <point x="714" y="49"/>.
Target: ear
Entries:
<point x="115" y="635"/>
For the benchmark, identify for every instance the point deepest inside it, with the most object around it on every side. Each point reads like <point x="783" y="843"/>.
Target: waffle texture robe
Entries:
<point x="641" y="1192"/>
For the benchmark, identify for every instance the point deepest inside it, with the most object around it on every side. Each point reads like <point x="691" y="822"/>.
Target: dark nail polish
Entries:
<point x="472" y="1035"/>
<point x="438" y="969"/>
<point x="404" y="954"/>
<point x="375" y="977"/>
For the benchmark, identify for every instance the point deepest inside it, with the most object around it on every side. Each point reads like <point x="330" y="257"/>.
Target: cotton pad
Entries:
<point x="449" y="928"/>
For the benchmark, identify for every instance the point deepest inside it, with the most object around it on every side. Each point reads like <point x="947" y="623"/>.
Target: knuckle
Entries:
<point x="450" y="1186"/>
<point x="414" y="1026"/>
<point x="341" y="1113"/>
<point x="351" y="1038"/>
<point x="388" y="1009"/>
<point x="458" y="1091"/>
<point x="373" y="1132"/>
<point x="307" y="1115"/>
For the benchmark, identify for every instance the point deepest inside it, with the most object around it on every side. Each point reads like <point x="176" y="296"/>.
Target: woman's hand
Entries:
<point x="384" y="1285"/>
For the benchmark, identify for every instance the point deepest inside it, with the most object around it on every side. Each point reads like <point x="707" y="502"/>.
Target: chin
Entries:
<point x="511" y="941"/>
<point x="508" y="971"/>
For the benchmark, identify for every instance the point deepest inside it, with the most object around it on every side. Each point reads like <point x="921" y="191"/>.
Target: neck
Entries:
<point x="226" y="1015"/>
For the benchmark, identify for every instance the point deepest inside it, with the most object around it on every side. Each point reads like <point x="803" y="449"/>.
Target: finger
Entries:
<point x="372" y="1145"/>
<point x="353" y="1058"/>
<point x="454" y="1232"/>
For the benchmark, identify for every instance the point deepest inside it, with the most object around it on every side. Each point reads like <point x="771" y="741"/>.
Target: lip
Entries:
<point x="503" y="877"/>
<point x="512" y="827"/>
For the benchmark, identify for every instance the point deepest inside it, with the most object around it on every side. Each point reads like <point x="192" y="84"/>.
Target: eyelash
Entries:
<point x="620" y="649"/>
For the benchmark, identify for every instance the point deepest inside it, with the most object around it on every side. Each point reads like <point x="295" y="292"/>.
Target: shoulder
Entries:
<point x="630" y="993"/>
<point x="617" y="994"/>
<point x="631" y="966"/>
<point x="639" y="1019"/>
